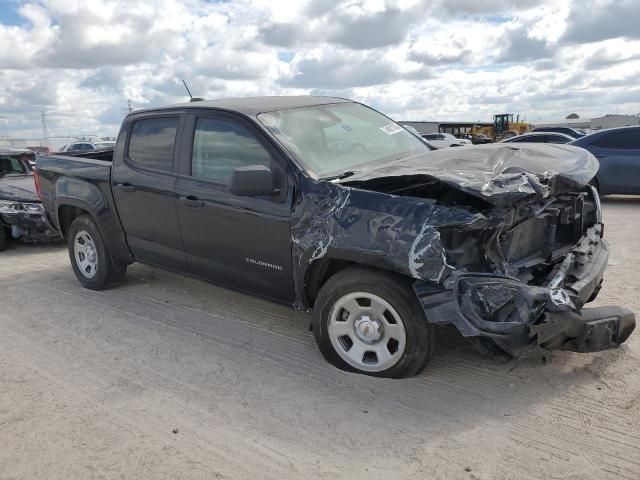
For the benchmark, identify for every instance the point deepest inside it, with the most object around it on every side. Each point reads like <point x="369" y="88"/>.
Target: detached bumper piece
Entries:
<point x="516" y="315"/>
<point x="592" y="330"/>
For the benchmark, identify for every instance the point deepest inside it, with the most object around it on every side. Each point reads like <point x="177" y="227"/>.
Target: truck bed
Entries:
<point x="100" y="154"/>
<point x="81" y="181"/>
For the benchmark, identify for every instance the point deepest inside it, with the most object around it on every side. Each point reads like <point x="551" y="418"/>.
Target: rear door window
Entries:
<point x="556" y="139"/>
<point x="152" y="143"/>
<point x="621" y="140"/>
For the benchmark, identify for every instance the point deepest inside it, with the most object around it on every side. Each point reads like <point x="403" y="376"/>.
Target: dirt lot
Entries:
<point x="92" y="385"/>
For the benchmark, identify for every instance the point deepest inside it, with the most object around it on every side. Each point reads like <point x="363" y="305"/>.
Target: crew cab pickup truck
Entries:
<point x="329" y="206"/>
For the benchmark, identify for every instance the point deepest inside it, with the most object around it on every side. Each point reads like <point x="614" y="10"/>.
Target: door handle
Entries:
<point x="126" y="187"/>
<point x="192" y="201"/>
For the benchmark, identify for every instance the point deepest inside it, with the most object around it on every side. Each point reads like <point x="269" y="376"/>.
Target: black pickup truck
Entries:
<point x="327" y="205"/>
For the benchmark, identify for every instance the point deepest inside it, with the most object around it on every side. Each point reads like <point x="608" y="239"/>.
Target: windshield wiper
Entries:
<point x="343" y="175"/>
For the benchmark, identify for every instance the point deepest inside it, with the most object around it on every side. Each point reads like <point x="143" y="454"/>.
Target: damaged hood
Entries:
<point x="497" y="173"/>
<point x="20" y="188"/>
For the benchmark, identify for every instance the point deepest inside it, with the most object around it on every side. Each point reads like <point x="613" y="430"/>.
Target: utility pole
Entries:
<point x="45" y="134"/>
<point x="129" y="105"/>
<point x="4" y="133"/>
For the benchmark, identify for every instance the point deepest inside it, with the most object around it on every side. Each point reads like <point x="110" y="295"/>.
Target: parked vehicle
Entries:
<point x="540" y="137"/>
<point x="618" y="152"/>
<point x="503" y="127"/>
<point x="78" y="147"/>
<point x="39" y="150"/>
<point x="21" y="214"/>
<point x="419" y="135"/>
<point x="443" y="140"/>
<point x="22" y="154"/>
<point x="327" y="205"/>
<point x="572" y="132"/>
<point x="475" y="139"/>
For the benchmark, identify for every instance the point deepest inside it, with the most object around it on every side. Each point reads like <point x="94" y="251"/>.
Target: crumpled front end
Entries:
<point x="27" y="221"/>
<point x="538" y="296"/>
<point x="516" y="268"/>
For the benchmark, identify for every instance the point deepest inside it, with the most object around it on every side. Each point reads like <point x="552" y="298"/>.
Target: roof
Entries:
<point x="536" y="134"/>
<point x="13" y="151"/>
<point x="540" y="133"/>
<point x="257" y="105"/>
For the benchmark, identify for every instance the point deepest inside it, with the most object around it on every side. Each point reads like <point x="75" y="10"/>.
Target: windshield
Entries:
<point x="329" y="140"/>
<point x="11" y="166"/>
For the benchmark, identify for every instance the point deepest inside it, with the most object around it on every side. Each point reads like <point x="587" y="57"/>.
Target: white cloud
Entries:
<point x="80" y="60"/>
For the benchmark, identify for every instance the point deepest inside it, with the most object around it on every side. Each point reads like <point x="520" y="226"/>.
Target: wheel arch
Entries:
<point x="68" y="209"/>
<point x="320" y="271"/>
<point x="66" y="213"/>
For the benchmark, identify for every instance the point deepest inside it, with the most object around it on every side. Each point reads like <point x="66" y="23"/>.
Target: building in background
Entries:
<point x="613" y="121"/>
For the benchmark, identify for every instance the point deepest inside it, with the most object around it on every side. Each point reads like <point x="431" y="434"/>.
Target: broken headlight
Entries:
<point x="10" y="207"/>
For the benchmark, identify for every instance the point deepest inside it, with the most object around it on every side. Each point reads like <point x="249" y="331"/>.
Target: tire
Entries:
<point x="90" y="259"/>
<point x="4" y="238"/>
<point x="390" y="335"/>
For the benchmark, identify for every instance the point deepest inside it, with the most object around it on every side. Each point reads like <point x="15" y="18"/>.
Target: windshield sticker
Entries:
<point x="391" y="129"/>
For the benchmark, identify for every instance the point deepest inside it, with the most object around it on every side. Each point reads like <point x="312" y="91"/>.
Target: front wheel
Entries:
<point x="93" y="266"/>
<point x="370" y="322"/>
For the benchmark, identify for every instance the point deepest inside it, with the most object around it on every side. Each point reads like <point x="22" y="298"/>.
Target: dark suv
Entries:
<point x="618" y="151"/>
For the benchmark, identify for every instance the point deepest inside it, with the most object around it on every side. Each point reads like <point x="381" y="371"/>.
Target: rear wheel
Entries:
<point x="93" y="266"/>
<point x="370" y="322"/>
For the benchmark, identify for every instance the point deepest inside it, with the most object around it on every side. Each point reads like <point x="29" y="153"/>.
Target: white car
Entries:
<point x="443" y="140"/>
<point x="86" y="146"/>
<point x="78" y="147"/>
<point x="105" y="144"/>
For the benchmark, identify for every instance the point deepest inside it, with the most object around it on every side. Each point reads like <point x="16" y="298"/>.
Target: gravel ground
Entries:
<point x="167" y="377"/>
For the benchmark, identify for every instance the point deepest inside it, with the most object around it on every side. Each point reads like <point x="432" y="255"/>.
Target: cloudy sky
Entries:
<point x="81" y="60"/>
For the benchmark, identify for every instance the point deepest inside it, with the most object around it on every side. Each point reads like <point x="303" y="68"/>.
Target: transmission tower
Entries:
<point x="43" y="115"/>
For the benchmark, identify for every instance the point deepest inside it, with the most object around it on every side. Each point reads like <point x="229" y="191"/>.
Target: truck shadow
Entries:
<point x="494" y="383"/>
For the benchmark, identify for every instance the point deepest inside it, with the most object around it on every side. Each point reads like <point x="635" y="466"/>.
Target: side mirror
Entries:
<point x="252" y="180"/>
